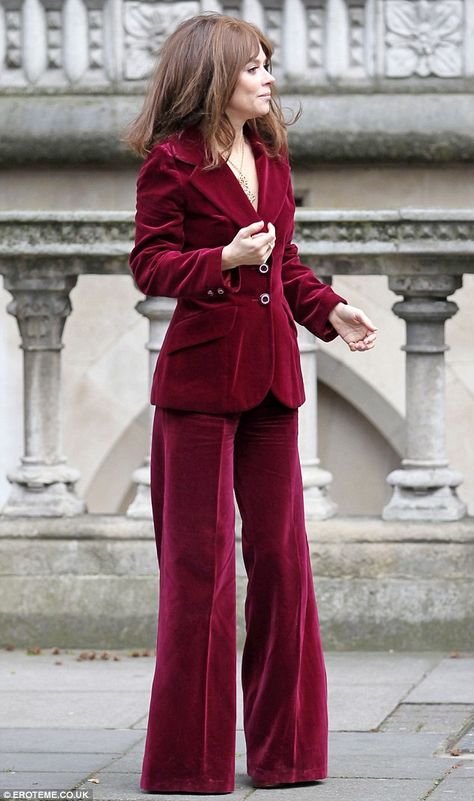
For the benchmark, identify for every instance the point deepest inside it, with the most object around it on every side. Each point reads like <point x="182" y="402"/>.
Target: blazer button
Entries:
<point x="210" y="291"/>
<point x="220" y="291"/>
<point x="264" y="268"/>
<point x="264" y="298"/>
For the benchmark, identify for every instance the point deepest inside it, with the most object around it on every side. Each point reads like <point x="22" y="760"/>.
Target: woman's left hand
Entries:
<point x="353" y="326"/>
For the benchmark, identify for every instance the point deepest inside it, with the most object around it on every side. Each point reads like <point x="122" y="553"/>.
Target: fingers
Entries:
<point x="366" y="343"/>
<point x="251" y="229"/>
<point x="365" y="320"/>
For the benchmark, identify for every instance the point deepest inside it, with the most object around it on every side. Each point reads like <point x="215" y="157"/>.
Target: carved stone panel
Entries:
<point x="424" y="37"/>
<point x="82" y="44"/>
<point x="146" y="26"/>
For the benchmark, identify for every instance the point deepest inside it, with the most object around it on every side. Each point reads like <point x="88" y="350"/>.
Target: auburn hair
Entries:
<point x="194" y="79"/>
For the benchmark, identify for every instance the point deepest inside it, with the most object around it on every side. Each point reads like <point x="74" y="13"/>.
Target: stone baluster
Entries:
<point x="252" y="10"/>
<point x="34" y="36"/>
<point x="425" y="486"/>
<point x="75" y="39"/>
<point x="158" y="311"/>
<point x="294" y="39"/>
<point x="43" y="484"/>
<point x="316" y="481"/>
<point x="211" y="5"/>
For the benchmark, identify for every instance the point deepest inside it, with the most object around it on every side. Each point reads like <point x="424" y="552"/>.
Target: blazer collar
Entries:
<point x="221" y="186"/>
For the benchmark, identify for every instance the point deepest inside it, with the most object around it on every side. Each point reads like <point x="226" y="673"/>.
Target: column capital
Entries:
<point x="425" y="286"/>
<point x="41" y="306"/>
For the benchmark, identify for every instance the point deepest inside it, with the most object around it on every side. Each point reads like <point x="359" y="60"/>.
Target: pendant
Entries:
<point x="244" y="184"/>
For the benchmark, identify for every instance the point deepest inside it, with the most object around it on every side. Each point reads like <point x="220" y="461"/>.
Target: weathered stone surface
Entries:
<point x="378" y="584"/>
<point x="385" y="756"/>
<point x="430" y="718"/>
<point x="69" y="741"/>
<point x="451" y="682"/>
<point x="402" y="242"/>
<point x="353" y="790"/>
<point x="375" y="687"/>
<point x="454" y="788"/>
<point x="427" y="127"/>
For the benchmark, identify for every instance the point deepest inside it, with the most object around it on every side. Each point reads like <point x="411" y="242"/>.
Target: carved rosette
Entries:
<point x="424" y="37"/>
<point x="147" y="26"/>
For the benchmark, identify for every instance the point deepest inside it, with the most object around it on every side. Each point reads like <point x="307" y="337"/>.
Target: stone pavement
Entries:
<point x="399" y="724"/>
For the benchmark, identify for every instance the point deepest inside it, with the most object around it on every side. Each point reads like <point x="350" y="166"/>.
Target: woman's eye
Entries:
<point x="265" y="66"/>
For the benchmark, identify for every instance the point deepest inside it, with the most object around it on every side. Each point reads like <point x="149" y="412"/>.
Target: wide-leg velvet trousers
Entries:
<point x="197" y="460"/>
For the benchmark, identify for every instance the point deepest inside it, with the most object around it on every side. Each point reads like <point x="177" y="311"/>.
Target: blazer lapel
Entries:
<point x="222" y="188"/>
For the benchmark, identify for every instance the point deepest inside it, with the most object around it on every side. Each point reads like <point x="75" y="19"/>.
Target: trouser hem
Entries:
<point x="190" y="786"/>
<point x="288" y="776"/>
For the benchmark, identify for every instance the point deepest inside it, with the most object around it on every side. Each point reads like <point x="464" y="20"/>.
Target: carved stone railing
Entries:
<point x="90" y="45"/>
<point x="423" y="253"/>
<point x="377" y="79"/>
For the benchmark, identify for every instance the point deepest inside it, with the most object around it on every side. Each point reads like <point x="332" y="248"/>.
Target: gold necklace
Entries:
<point x="242" y="178"/>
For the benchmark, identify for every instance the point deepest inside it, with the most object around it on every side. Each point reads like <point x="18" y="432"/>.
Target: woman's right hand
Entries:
<point x="249" y="246"/>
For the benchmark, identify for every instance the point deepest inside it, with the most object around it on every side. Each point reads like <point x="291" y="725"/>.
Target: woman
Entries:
<point x="214" y="225"/>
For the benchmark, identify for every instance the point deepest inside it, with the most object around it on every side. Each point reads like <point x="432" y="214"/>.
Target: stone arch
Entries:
<point x="361" y="438"/>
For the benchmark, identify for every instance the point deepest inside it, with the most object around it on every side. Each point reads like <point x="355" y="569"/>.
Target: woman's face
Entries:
<point x="251" y="96"/>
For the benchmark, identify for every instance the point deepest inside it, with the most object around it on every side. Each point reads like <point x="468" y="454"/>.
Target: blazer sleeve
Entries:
<point x="158" y="262"/>
<point x="310" y="299"/>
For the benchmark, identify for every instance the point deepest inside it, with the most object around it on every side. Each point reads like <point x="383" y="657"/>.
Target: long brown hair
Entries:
<point x="192" y="84"/>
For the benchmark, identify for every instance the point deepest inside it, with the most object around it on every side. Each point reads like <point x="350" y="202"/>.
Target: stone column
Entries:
<point x="318" y="503"/>
<point x="43" y="484"/>
<point x="425" y="486"/>
<point x="158" y="311"/>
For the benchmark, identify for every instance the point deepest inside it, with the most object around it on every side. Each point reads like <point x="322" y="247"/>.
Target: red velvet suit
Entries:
<point x="226" y="387"/>
<point x="223" y="350"/>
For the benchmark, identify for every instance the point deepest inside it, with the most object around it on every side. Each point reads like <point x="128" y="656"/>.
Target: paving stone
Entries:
<point x="454" y="789"/>
<point x="466" y="743"/>
<point x="385" y="744"/>
<point x="105" y="741"/>
<point x="450" y="682"/>
<point x="379" y="667"/>
<point x="428" y="718"/>
<point x="20" y="671"/>
<point x="359" y="707"/>
<point x="351" y="790"/>
<point x="49" y="763"/>
<point x="40" y="781"/>
<point x="125" y="787"/>
<point x="464" y="770"/>
<point x="363" y="692"/>
<point x="70" y="709"/>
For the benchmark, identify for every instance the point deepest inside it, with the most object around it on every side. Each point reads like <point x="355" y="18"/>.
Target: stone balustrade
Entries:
<point x="423" y="253"/>
<point x="81" y="45"/>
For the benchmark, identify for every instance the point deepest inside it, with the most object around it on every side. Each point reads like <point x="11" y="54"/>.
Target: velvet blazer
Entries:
<point x="232" y="336"/>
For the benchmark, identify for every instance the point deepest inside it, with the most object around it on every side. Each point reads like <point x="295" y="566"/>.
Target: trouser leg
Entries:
<point x="283" y="670"/>
<point x="190" y="742"/>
